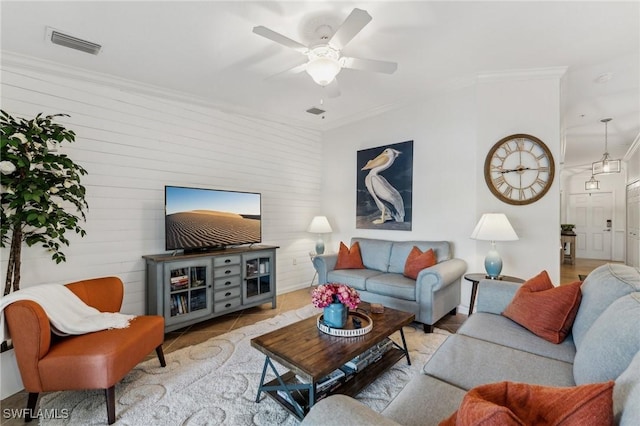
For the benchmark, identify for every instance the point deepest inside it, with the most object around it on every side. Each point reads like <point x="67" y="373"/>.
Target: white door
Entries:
<point x="592" y="215"/>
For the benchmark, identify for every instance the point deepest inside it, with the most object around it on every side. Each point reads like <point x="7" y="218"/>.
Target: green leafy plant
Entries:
<point x="40" y="189"/>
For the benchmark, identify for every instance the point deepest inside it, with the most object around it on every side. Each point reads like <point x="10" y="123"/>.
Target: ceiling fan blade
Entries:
<point x="351" y="26"/>
<point x="279" y="38"/>
<point x="332" y="89"/>
<point x="288" y="72"/>
<point x="369" y="65"/>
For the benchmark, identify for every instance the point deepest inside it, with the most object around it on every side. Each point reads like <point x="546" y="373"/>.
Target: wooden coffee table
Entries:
<point x="310" y="355"/>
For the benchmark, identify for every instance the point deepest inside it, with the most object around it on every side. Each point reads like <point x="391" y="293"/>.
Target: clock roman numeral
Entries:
<point x="499" y="181"/>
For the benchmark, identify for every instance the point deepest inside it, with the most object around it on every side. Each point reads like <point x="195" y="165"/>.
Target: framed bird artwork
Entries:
<point x="384" y="187"/>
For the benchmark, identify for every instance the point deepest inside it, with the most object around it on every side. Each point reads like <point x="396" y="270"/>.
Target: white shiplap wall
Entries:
<point x="133" y="143"/>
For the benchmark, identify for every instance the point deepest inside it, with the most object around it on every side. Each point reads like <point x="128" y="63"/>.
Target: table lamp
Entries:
<point x="493" y="227"/>
<point x="320" y="225"/>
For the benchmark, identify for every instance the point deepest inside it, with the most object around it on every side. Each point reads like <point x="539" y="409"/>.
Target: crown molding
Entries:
<point x="635" y="146"/>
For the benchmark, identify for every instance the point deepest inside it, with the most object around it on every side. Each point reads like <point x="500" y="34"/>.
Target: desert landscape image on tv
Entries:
<point x="208" y="218"/>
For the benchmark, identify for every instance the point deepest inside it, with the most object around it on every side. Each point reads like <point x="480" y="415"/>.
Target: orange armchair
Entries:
<point x="96" y="360"/>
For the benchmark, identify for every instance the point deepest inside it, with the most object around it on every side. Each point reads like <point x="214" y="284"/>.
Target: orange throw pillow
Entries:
<point x="543" y="309"/>
<point x="509" y="403"/>
<point x="417" y="261"/>
<point x="349" y="258"/>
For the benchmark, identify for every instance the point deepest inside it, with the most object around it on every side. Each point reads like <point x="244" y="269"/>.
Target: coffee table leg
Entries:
<point x="288" y="388"/>
<point x="264" y="372"/>
<point x="404" y="343"/>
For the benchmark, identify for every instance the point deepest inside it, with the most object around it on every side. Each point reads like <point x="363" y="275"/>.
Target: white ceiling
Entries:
<point x="208" y="50"/>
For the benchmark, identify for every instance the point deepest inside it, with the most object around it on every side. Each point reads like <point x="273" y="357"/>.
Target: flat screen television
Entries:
<point x="199" y="219"/>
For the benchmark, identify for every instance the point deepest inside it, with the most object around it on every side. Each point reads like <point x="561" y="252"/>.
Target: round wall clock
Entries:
<point x="519" y="169"/>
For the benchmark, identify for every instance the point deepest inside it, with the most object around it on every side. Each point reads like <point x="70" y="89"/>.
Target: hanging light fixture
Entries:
<point x="324" y="64"/>
<point x="592" y="184"/>
<point x="606" y="164"/>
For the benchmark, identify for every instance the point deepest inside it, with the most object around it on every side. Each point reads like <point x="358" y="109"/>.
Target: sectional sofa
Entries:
<point x="603" y="345"/>
<point x="433" y="294"/>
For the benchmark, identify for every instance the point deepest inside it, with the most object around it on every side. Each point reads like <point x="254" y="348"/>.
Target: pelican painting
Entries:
<point x="387" y="211"/>
<point x="386" y="197"/>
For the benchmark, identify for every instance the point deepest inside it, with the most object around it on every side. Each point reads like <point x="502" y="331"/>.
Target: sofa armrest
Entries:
<point x="30" y="332"/>
<point x="495" y="295"/>
<point x="440" y="275"/>
<point x="340" y="410"/>
<point x="324" y="263"/>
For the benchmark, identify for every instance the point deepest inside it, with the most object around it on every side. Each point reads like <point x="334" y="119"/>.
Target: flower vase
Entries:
<point x="335" y="315"/>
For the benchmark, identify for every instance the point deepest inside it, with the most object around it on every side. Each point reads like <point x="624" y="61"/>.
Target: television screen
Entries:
<point x="201" y="219"/>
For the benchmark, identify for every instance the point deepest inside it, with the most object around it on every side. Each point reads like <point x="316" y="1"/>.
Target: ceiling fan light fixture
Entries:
<point x="606" y="165"/>
<point x="323" y="70"/>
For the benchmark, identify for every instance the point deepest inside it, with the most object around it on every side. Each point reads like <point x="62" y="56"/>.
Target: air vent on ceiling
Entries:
<point x="316" y="111"/>
<point x="66" y="40"/>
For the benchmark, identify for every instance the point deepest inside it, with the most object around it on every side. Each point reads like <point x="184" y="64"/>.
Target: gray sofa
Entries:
<point x="603" y="345"/>
<point x="435" y="292"/>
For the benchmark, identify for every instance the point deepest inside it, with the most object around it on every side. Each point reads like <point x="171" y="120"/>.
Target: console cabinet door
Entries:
<point x="188" y="290"/>
<point x="259" y="276"/>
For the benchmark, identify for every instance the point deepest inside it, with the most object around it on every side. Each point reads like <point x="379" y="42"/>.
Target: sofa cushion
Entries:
<point x="337" y="409"/>
<point x="424" y="401"/>
<point x="482" y="362"/>
<point x="611" y="343"/>
<point x="355" y="278"/>
<point x="508" y="403"/>
<point x="626" y="395"/>
<point x="601" y="287"/>
<point x="349" y="258"/>
<point x="417" y="261"/>
<point x="101" y="358"/>
<point x="401" y="249"/>
<point x="393" y="285"/>
<point x="545" y="310"/>
<point x="501" y="330"/>
<point x="375" y="253"/>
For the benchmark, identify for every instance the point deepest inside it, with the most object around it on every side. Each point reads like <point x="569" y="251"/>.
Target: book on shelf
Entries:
<point x="370" y="356"/>
<point x="180" y="282"/>
<point x="179" y="304"/>
<point x="330" y="381"/>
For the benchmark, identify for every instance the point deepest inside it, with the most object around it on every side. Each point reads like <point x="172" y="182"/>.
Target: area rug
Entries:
<point x="215" y="383"/>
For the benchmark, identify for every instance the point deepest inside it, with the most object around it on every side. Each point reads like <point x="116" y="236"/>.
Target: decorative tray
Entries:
<point x="349" y="329"/>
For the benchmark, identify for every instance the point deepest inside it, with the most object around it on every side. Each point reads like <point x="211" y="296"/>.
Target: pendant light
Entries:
<point x="606" y="165"/>
<point x="592" y="184"/>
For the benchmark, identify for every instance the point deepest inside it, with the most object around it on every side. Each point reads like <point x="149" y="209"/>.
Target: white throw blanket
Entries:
<point x="67" y="313"/>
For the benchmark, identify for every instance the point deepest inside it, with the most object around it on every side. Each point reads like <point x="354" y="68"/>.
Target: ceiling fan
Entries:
<point x="324" y="59"/>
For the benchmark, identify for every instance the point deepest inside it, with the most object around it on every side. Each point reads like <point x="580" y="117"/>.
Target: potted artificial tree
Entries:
<point x="40" y="189"/>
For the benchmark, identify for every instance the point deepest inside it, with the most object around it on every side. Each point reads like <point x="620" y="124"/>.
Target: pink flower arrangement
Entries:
<point x="326" y="294"/>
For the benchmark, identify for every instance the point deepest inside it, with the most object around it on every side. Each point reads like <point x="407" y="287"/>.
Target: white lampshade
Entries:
<point x="320" y="225"/>
<point x="323" y="70"/>
<point x="494" y="227"/>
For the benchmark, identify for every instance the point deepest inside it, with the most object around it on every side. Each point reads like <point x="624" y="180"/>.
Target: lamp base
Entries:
<point x="319" y="246"/>
<point x="493" y="264"/>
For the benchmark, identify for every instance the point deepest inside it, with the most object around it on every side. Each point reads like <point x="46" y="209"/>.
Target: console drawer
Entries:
<point x="226" y="260"/>
<point x="226" y="271"/>
<point x="226" y="305"/>
<point x="228" y="282"/>
<point x="230" y="293"/>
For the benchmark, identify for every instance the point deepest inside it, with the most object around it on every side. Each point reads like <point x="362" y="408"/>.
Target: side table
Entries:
<point x="477" y="277"/>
